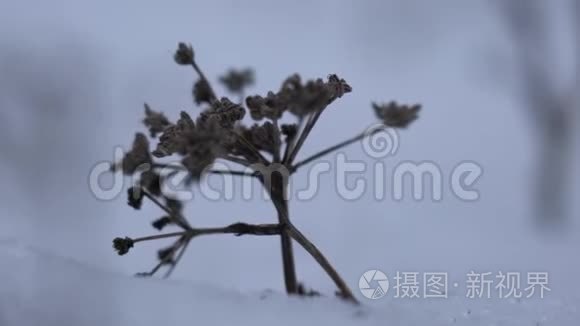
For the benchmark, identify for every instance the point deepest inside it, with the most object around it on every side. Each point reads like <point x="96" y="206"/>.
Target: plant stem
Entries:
<point x="329" y="150"/>
<point x="290" y="143"/>
<point x="204" y="79"/>
<point x="276" y="157"/>
<point x="277" y="191"/>
<point x="237" y="160"/>
<point x="184" y="243"/>
<point x="253" y="149"/>
<point x="236" y="228"/>
<point x="345" y="291"/>
<point x="303" y="135"/>
<point x="222" y="172"/>
<point x="177" y="218"/>
<point x="160" y="236"/>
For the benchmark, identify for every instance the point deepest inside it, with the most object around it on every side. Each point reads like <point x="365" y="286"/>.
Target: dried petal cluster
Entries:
<point x="297" y="98"/>
<point x="184" y="54"/>
<point x="396" y="115"/>
<point x="122" y="245"/>
<point x="264" y="137"/>
<point x="155" y="121"/>
<point x="224" y="112"/>
<point x="173" y="139"/>
<point x="138" y="156"/>
<point x="237" y="80"/>
<point x="201" y="92"/>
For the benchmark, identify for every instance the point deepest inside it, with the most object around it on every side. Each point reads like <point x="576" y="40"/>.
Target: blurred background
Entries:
<point x="497" y="80"/>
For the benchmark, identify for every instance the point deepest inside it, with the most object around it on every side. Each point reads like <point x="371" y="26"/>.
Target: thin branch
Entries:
<point x="252" y="148"/>
<point x="238" y="173"/>
<point x="307" y="129"/>
<point x="290" y="143"/>
<point x="153" y="271"/>
<point x="303" y="135"/>
<point x="329" y="150"/>
<point x="175" y="216"/>
<point x="160" y="236"/>
<point x="276" y="157"/>
<point x="221" y="172"/>
<point x="204" y="79"/>
<point x="185" y="243"/>
<point x="236" y="160"/>
<point x="176" y="246"/>
<point x="237" y="228"/>
<point x="345" y="291"/>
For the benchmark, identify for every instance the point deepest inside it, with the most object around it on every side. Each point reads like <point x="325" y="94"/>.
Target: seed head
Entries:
<point x="173" y="139"/>
<point x="202" y="92"/>
<point x="166" y="254"/>
<point x="271" y="107"/>
<point x="224" y="113"/>
<point x="289" y="130"/>
<point x="122" y="245"/>
<point x="151" y="181"/>
<point x="237" y="80"/>
<point x="184" y="54"/>
<point x="265" y="137"/>
<point x="156" y="122"/>
<point x="396" y="115"/>
<point x="161" y="222"/>
<point x="138" y="155"/>
<point x="174" y="205"/>
<point x="135" y="197"/>
<point x="338" y="85"/>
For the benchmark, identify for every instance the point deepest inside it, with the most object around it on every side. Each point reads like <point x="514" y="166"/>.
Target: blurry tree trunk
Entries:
<point x="550" y="107"/>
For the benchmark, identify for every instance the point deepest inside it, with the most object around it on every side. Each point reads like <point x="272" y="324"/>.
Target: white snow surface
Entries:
<point x="39" y="288"/>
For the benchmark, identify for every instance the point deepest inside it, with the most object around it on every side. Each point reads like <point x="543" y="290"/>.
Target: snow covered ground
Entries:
<point x="39" y="288"/>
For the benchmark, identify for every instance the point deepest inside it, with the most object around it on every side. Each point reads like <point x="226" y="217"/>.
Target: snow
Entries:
<point x="40" y="288"/>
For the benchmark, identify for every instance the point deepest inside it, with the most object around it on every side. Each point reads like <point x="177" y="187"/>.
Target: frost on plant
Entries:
<point x="267" y="148"/>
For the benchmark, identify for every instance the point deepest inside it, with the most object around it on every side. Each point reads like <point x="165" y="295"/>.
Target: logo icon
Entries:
<point x="373" y="284"/>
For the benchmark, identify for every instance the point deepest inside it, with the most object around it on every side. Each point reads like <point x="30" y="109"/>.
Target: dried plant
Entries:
<point x="267" y="151"/>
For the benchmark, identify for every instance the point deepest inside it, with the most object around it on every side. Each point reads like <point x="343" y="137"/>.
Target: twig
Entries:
<point x="175" y="216"/>
<point x="160" y="236"/>
<point x="222" y="172"/>
<point x="291" y="142"/>
<point x="303" y="135"/>
<point x="204" y="79"/>
<point x="182" y="249"/>
<point x="237" y="228"/>
<point x="252" y="148"/>
<point x="237" y="160"/>
<point x="276" y="157"/>
<point x="176" y="245"/>
<point x="329" y="150"/>
<point x="322" y="261"/>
